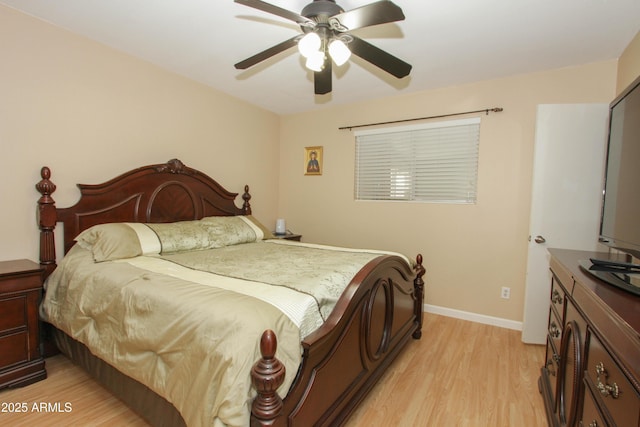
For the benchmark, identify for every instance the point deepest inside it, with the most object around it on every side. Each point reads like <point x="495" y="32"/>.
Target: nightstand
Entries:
<point x="288" y="236"/>
<point x="21" y="361"/>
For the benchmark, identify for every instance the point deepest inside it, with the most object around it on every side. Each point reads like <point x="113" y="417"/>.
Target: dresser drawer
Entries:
<point x="554" y="330"/>
<point x="618" y="399"/>
<point x="14" y="349"/>
<point x="14" y="313"/>
<point x="551" y="369"/>
<point x="591" y="416"/>
<point x="557" y="298"/>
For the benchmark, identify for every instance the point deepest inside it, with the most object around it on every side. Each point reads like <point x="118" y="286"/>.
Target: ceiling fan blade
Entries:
<point x="266" y="54"/>
<point x="322" y="79"/>
<point x="380" y="12"/>
<point x="275" y="10"/>
<point x="379" y="58"/>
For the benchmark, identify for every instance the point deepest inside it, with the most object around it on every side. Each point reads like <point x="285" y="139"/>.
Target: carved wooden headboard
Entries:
<point x="156" y="193"/>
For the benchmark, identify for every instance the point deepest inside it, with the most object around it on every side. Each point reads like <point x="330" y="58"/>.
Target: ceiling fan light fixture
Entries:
<point x="309" y="44"/>
<point x="315" y="61"/>
<point x="339" y="52"/>
<point x="323" y="22"/>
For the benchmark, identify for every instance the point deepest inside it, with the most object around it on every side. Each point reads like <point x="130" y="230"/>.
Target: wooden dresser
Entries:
<point x="591" y="376"/>
<point x="21" y="361"/>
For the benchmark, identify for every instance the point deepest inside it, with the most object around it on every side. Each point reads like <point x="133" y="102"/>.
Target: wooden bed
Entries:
<point x="376" y="316"/>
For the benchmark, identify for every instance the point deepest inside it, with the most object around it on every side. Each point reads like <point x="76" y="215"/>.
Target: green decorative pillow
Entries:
<point x="127" y="240"/>
<point x="110" y="241"/>
<point x="207" y="233"/>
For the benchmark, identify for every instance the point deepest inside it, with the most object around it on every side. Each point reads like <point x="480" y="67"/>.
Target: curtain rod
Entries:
<point x="486" y="111"/>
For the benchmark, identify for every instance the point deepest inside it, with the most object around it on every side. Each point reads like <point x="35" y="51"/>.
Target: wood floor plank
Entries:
<point x="459" y="374"/>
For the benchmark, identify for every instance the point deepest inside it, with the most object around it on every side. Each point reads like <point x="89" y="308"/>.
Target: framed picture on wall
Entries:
<point x="313" y="160"/>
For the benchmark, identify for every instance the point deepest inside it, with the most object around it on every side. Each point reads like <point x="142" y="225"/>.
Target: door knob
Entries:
<point x="539" y="239"/>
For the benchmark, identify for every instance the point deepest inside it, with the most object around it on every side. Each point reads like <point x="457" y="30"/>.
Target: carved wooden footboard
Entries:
<point x="377" y="314"/>
<point x="373" y="320"/>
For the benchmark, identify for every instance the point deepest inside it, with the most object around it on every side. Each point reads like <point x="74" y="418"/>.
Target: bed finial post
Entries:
<point x="246" y="206"/>
<point x="267" y="375"/>
<point x="419" y="294"/>
<point x="47" y="218"/>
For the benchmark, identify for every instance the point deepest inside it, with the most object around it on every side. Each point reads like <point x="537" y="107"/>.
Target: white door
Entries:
<point x="569" y="156"/>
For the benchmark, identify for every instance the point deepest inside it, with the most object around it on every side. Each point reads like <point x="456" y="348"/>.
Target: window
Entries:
<point x="435" y="162"/>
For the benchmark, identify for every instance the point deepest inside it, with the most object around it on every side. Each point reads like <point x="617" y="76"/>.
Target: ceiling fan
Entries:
<point x="326" y="28"/>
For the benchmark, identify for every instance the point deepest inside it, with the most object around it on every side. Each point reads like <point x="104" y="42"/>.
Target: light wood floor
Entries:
<point x="459" y="374"/>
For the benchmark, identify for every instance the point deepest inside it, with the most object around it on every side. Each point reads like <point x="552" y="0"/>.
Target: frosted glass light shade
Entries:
<point x="315" y="61"/>
<point x="309" y="44"/>
<point x="339" y="52"/>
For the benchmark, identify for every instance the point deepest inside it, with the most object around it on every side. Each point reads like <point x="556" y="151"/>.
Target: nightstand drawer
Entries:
<point x="25" y="283"/>
<point x="21" y="361"/>
<point x="14" y="349"/>
<point x="14" y="313"/>
<point x="610" y="386"/>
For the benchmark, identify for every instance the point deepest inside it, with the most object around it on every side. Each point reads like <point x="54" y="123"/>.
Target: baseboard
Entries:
<point x="473" y="317"/>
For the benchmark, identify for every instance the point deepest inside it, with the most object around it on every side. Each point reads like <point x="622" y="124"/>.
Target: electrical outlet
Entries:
<point x="505" y="293"/>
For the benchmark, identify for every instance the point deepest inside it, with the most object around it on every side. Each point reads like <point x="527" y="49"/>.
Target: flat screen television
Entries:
<point x="620" y="220"/>
<point x="620" y="216"/>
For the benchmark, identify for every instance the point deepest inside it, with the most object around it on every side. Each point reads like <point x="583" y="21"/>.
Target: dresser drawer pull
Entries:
<point x="556" y="298"/>
<point x="593" y="423"/>
<point x="554" y="331"/>
<point x="606" y="389"/>
<point x="549" y="366"/>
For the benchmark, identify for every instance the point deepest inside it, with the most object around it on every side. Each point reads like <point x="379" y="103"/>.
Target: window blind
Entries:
<point x="434" y="162"/>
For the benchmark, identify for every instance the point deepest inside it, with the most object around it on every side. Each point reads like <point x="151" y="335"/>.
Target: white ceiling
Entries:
<point x="448" y="42"/>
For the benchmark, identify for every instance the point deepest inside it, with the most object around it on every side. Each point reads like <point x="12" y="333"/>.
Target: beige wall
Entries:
<point x="629" y="64"/>
<point x="470" y="251"/>
<point x="89" y="113"/>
